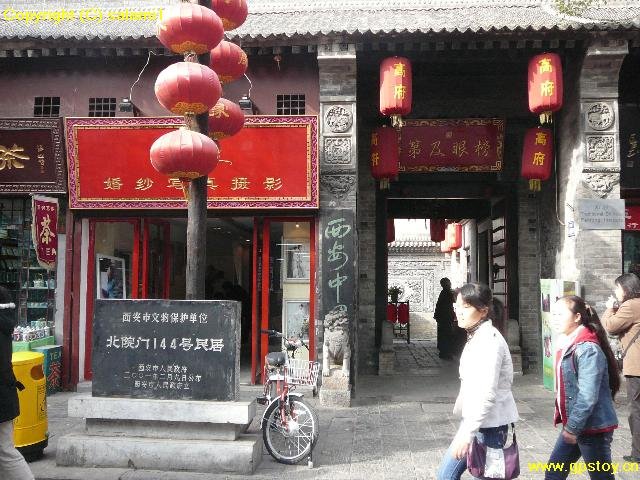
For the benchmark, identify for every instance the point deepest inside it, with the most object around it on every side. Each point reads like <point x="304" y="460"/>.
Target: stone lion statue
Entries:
<point x="336" y="341"/>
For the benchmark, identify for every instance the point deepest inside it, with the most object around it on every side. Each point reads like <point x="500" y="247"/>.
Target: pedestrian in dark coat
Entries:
<point x="444" y="316"/>
<point x="12" y="464"/>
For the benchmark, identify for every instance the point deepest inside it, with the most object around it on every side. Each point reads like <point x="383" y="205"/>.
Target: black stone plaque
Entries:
<point x="338" y="262"/>
<point x="166" y="349"/>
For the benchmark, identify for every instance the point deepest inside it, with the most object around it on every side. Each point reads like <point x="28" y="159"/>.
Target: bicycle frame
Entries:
<point x="283" y="391"/>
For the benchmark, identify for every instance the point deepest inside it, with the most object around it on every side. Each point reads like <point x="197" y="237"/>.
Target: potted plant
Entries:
<point x="394" y="292"/>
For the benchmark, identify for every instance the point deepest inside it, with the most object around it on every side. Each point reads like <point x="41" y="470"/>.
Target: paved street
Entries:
<point x="398" y="428"/>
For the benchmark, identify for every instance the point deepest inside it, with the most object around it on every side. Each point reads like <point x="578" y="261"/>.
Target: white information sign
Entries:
<point x="601" y="214"/>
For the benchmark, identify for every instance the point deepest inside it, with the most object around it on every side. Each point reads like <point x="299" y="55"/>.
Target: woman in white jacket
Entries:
<point x="485" y="401"/>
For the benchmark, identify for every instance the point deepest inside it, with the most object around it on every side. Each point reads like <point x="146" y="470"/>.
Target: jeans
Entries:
<point x="12" y="463"/>
<point x="633" y="395"/>
<point x="452" y="469"/>
<point x="592" y="448"/>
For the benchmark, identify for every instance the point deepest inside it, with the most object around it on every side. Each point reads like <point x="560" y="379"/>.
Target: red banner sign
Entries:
<point x="632" y="217"/>
<point x="271" y="163"/>
<point x="466" y="145"/>
<point x="44" y="229"/>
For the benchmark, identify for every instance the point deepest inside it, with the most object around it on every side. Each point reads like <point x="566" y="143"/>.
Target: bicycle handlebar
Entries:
<point x="292" y="342"/>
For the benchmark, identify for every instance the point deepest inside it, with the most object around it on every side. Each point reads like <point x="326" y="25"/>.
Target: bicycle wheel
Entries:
<point x="293" y="441"/>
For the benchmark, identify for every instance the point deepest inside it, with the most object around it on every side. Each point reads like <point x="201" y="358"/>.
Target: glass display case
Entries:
<point x="31" y="286"/>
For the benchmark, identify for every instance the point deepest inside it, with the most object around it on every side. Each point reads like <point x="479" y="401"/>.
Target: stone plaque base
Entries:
<point x="169" y="435"/>
<point x="336" y="389"/>
<point x="516" y="359"/>
<point x="386" y="362"/>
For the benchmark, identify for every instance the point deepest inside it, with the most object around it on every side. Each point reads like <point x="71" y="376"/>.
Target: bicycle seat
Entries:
<point x="276" y="359"/>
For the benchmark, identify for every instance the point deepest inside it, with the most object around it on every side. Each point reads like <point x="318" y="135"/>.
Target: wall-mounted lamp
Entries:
<point x="247" y="106"/>
<point x="127" y="106"/>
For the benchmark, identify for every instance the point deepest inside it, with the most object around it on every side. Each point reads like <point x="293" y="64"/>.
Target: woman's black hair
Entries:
<point x="589" y="318"/>
<point x="478" y="296"/>
<point x="630" y="284"/>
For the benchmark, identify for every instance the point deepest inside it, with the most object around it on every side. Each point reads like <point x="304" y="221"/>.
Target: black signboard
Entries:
<point x="166" y="349"/>
<point x="630" y="146"/>
<point x="338" y="262"/>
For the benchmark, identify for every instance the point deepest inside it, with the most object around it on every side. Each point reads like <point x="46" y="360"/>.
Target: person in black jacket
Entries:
<point x="12" y="464"/>
<point x="444" y="316"/>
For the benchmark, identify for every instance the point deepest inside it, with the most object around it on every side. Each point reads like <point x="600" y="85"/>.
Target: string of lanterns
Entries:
<point x="189" y="88"/>
<point x="545" y="88"/>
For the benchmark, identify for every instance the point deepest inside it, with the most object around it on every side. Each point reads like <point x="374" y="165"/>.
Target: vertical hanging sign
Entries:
<point x="44" y="229"/>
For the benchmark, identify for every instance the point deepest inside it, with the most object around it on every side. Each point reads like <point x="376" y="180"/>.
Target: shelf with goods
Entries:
<point x="31" y="286"/>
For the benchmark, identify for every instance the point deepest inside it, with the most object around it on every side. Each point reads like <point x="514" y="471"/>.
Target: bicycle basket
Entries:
<point x="302" y="372"/>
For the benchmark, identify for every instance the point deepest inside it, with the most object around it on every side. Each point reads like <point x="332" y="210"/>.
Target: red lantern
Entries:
<point x="232" y="12"/>
<point x="545" y="85"/>
<point x="225" y="119"/>
<point x="392" y="312"/>
<point x="384" y="155"/>
<point x="395" y="87"/>
<point x="187" y="88"/>
<point x="454" y="236"/>
<point x="403" y="313"/>
<point x="184" y="154"/>
<point x="229" y="61"/>
<point x="188" y="27"/>
<point x="537" y="156"/>
<point x="444" y="246"/>
<point x="391" y="230"/>
<point x="437" y="229"/>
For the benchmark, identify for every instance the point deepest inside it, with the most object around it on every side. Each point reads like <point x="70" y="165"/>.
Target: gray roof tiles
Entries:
<point x="290" y="18"/>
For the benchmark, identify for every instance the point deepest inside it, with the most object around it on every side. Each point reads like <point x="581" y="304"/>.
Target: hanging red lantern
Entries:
<point x="232" y="12"/>
<point x="184" y="154"/>
<point x="454" y="236"/>
<point x="392" y="312"/>
<point x="225" y="119"/>
<point x="190" y="28"/>
<point x="187" y="88"/>
<point x="395" y="87"/>
<point x="537" y="156"/>
<point x="229" y="61"/>
<point x="403" y="313"/>
<point x="385" y="156"/>
<point x="391" y="230"/>
<point x="444" y="246"/>
<point x="545" y="85"/>
<point x="437" y="229"/>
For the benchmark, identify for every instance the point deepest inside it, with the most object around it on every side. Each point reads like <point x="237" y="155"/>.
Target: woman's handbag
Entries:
<point x="494" y="463"/>
<point x="616" y="346"/>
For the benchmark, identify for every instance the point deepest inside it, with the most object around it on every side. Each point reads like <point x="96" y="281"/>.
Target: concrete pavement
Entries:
<point x="398" y="428"/>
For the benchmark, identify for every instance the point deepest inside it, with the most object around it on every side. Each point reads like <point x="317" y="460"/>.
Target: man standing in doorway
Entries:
<point x="444" y="316"/>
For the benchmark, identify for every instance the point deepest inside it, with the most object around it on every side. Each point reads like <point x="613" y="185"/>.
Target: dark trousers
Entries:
<point x="445" y="340"/>
<point x="633" y="394"/>
<point x="595" y="450"/>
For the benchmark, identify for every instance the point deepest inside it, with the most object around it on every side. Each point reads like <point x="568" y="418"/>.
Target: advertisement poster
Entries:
<point x="551" y="289"/>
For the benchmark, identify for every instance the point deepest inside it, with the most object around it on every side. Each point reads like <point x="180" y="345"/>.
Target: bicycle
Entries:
<point x="289" y="424"/>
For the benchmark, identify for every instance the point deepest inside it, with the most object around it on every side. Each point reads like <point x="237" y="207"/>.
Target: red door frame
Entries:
<point x="264" y="321"/>
<point x="91" y="280"/>
<point x="255" y="332"/>
<point x="166" y="255"/>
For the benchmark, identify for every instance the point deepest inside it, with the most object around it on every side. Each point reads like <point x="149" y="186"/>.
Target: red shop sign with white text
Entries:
<point x="462" y="145"/>
<point x="632" y="217"/>
<point x="271" y="163"/>
<point x="44" y="229"/>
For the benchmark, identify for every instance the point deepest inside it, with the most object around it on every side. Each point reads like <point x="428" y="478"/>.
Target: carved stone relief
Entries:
<point x="600" y="116"/>
<point x="417" y="281"/>
<point x="338" y="185"/>
<point x="600" y="148"/>
<point x="600" y="183"/>
<point x="337" y="151"/>
<point x="338" y="119"/>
